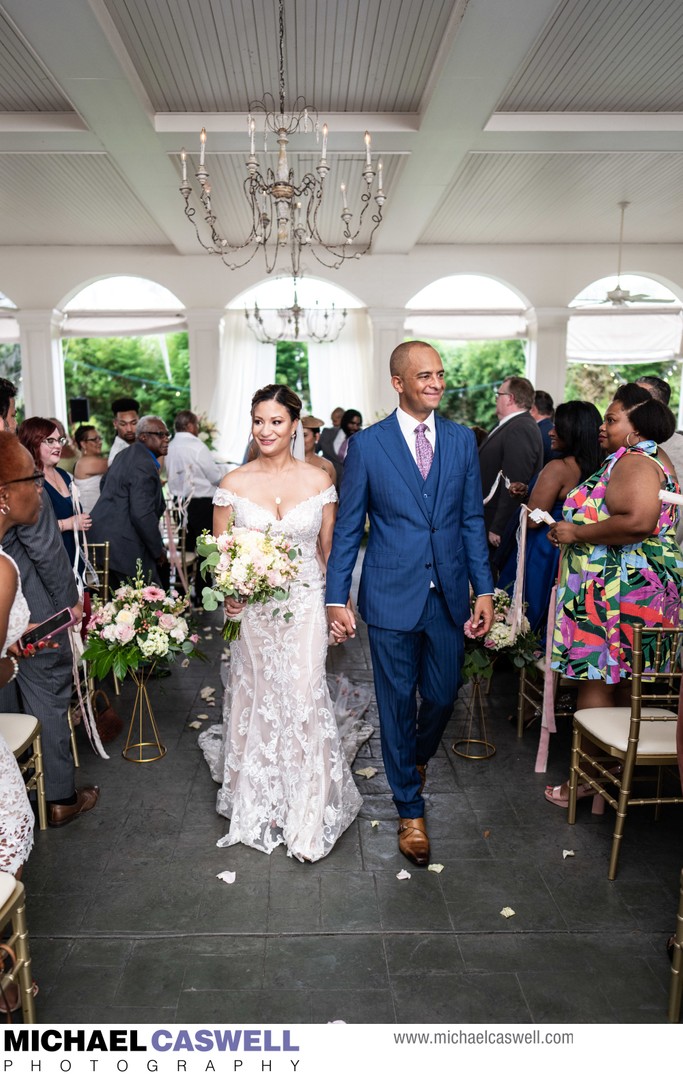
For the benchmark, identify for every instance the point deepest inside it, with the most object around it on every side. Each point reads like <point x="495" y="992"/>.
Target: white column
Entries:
<point x="388" y="329"/>
<point x="42" y="364"/>
<point x="204" y="341"/>
<point x="547" y="354"/>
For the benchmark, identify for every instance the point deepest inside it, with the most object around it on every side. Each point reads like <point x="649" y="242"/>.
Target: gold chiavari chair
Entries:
<point x="98" y="555"/>
<point x="642" y="735"/>
<point x="676" y="988"/>
<point x="13" y="911"/>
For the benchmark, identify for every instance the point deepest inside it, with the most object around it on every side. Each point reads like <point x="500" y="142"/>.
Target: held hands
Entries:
<point x="482" y="617"/>
<point x="494" y="539"/>
<point x="342" y="621"/>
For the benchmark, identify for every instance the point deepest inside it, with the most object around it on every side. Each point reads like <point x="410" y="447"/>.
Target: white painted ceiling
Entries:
<point x="498" y="121"/>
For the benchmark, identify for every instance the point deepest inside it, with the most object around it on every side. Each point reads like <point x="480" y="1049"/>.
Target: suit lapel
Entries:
<point x="445" y="443"/>
<point x="394" y="445"/>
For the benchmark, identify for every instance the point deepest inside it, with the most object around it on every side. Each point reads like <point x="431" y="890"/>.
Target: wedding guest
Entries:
<point x="193" y="475"/>
<point x="620" y="562"/>
<point x="69" y="454"/>
<point x="19" y="504"/>
<point x="43" y="685"/>
<point x="574" y="441"/>
<point x="42" y="440"/>
<point x="515" y="447"/>
<point x="673" y="446"/>
<point x="417" y="477"/>
<point x="8" y="410"/>
<point x="125" y="411"/>
<point x="131" y="504"/>
<point x="311" y="427"/>
<point x="543" y="410"/>
<point x="329" y="433"/>
<point x="90" y="467"/>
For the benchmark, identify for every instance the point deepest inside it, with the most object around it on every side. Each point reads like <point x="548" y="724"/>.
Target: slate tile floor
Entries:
<point x="128" y="921"/>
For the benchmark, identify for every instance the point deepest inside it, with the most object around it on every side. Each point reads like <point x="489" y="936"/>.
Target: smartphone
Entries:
<point x="59" y="622"/>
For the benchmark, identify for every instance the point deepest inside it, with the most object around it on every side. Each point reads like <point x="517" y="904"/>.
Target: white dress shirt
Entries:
<point x="407" y="424"/>
<point x="118" y="445"/>
<point x="192" y="471"/>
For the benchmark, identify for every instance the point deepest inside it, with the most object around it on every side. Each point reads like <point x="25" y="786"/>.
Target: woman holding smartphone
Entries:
<point x="20" y="488"/>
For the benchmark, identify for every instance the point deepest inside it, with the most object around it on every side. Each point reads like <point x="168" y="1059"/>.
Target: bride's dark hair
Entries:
<point x="279" y="394"/>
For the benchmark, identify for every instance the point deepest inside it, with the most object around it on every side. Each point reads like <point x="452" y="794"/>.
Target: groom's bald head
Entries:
<point x="402" y="355"/>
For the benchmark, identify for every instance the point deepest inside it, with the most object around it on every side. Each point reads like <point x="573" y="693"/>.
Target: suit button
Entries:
<point x="427" y="565"/>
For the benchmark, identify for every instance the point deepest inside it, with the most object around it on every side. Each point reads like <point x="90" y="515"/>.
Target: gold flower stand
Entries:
<point x="142" y="723"/>
<point x="475" y="744"/>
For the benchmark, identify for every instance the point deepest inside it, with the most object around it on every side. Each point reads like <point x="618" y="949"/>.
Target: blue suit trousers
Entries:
<point x="427" y="659"/>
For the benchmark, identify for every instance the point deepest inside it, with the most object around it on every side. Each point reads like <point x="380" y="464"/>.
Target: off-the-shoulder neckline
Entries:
<point x="268" y="511"/>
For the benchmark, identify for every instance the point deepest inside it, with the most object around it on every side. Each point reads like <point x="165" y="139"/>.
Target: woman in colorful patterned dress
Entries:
<point x="621" y="564"/>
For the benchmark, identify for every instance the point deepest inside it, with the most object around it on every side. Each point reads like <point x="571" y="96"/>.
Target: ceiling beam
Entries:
<point x="463" y="96"/>
<point x="85" y="61"/>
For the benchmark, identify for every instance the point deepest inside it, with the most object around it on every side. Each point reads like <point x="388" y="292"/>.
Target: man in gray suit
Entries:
<point x="43" y="684"/>
<point x="131" y="504"/>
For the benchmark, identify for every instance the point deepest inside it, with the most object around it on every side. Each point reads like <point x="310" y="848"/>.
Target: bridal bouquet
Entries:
<point x="522" y="648"/>
<point x="140" y="625"/>
<point x="247" y="565"/>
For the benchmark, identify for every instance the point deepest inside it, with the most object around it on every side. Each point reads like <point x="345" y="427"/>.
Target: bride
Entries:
<point x="279" y="759"/>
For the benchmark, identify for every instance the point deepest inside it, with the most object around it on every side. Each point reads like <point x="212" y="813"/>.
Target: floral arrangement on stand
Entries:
<point x="139" y="626"/>
<point x="247" y="565"/>
<point x="480" y="653"/>
<point x="208" y="430"/>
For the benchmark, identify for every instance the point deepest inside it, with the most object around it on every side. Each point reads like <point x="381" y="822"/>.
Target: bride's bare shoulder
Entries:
<point x="236" y="481"/>
<point x="313" y="479"/>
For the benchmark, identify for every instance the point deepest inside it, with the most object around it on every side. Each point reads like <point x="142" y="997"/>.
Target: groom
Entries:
<point x="417" y="476"/>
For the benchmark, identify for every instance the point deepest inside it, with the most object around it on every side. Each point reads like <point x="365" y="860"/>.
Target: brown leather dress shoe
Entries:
<point x="422" y="770"/>
<point x="413" y="841"/>
<point x="59" y="814"/>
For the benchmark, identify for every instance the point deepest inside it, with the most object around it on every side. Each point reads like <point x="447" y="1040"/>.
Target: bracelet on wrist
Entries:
<point x="15" y="664"/>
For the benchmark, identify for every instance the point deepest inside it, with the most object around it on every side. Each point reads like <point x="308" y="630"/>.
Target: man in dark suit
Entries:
<point x="131" y="504"/>
<point x="417" y="477"/>
<point x="515" y="447"/>
<point x="42" y="686"/>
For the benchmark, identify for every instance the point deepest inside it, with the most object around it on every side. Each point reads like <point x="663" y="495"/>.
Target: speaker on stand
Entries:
<point x="79" y="409"/>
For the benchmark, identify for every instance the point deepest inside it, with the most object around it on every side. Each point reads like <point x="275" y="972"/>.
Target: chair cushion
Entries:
<point x="7" y="886"/>
<point x="610" y="725"/>
<point x="18" y="730"/>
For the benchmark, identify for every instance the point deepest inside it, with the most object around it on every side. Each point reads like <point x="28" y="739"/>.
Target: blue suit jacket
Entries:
<point x="381" y="479"/>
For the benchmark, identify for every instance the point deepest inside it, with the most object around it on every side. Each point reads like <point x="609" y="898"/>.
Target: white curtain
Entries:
<point x="466" y="326"/>
<point x="612" y="338"/>
<point x="341" y="374"/>
<point x="245" y="366"/>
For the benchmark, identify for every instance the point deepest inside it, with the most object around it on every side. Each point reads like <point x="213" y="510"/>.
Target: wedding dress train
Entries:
<point x="278" y="755"/>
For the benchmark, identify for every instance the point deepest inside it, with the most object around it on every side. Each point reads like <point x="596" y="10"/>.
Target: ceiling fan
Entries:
<point x="619" y="296"/>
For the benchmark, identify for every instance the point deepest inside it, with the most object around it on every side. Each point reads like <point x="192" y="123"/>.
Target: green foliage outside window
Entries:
<point x="103" y="369"/>
<point x="474" y="370"/>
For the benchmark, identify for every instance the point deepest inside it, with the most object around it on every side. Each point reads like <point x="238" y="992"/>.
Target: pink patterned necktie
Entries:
<point x="423" y="450"/>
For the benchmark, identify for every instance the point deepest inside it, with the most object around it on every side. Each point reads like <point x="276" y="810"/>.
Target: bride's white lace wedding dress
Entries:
<point x="278" y="755"/>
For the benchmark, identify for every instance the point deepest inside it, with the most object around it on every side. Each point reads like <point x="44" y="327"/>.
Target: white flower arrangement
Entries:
<point x="247" y="565"/>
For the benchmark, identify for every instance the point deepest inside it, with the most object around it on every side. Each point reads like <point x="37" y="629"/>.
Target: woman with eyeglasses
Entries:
<point x="20" y="487"/>
<point x="43" y="441"/>
<point x="90" y="467"/>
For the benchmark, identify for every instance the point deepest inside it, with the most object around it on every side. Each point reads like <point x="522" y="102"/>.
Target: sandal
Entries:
<point x="559" y="795"/>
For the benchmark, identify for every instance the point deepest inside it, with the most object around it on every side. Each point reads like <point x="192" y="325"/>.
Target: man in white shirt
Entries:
<point x="193" y="474"/>
<point x="125" y="411"/>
